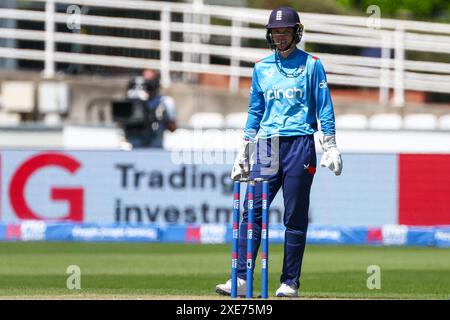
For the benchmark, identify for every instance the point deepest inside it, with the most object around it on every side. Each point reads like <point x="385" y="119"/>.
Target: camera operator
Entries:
<point x="151" y="112"/>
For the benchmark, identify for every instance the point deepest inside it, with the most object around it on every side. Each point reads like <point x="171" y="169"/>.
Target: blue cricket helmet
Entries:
<point x="284" y="17"/>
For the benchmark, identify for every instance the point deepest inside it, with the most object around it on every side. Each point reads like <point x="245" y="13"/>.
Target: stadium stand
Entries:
<point x="386" y="121"/>
<point x="420" y="122"/>
<point x="352" y="121"/>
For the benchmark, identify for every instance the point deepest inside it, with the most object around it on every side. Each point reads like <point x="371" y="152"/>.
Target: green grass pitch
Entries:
<point x="154" y="271"/>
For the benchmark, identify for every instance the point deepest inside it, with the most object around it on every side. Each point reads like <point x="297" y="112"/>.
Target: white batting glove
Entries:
<point x="331" y="157"/>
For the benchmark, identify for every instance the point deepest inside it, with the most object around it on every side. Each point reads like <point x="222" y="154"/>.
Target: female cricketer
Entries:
<point x="289" y="98"/>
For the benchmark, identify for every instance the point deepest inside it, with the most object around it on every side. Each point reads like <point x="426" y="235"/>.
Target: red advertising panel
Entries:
<point x="424" y="189"/>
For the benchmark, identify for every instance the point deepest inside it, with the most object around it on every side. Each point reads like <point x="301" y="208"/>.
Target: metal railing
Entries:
<point x="241" y="28"/>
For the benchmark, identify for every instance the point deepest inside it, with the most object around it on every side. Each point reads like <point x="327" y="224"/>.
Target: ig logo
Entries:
<point x="73" y="196"/>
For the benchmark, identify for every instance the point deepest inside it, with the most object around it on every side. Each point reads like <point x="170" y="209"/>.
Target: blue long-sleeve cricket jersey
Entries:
<point x="288" y="96"/>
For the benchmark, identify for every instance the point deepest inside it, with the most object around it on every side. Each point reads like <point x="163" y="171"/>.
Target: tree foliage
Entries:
<point x="408" y="9"/>
<point x="428" y="10"/>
